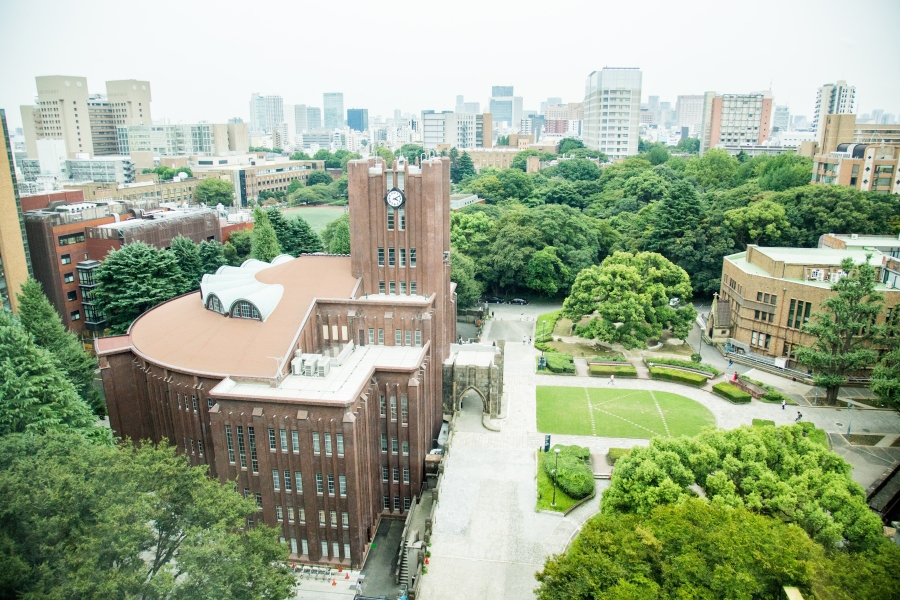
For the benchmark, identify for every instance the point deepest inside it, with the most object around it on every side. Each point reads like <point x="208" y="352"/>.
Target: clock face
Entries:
<point x="395" y="198"/>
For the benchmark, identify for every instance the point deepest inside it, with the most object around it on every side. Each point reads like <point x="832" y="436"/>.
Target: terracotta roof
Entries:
<point x="184" y="335"/>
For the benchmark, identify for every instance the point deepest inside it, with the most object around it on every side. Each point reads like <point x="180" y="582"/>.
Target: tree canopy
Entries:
<point x="167" y="173"/>
<point x="336" y="236"/>
<point x="263" y="241"/>
<point x="632" y="294"/>
<point x="80" y="520"/>
<point x="317" y="177"/>
<point x="212" y="191"/>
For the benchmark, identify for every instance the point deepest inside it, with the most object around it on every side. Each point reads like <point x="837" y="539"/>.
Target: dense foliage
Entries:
<point x="212" y="191"/>
<point x="80" y="520"/>
<point x="264" y="244"/>
<point x="295" y="236"/>
<point x="336" y="236"/>
<point x="573" y="475"/>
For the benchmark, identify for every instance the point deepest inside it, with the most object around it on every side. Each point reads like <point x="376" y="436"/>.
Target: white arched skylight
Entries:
<point x="235" y="291"/>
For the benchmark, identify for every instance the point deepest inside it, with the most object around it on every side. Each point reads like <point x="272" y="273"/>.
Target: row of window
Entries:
<point x="385" y="471"/>
<point x="404" y="406"/>
<point x="395" y="445"/>
<point x="760" y="340"/>
<point x="304" y="547"/>
<point x="296" y="484"/>
<point x="241" y="447"/>
<point x="798" y="313"/>
<point x="766" y="298"/>
<point x="761" y="315"/>
<point x="393" y="254"/>
<point x="401" y="337"/>
<point x="392" y="288"/>
<point x="396" y="217"/>
<point x="72" y="238"/>
<point x="387" y="503"/>
<point x="199" y="446"/>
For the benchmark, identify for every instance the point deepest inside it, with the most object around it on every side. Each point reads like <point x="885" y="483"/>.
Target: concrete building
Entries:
<point x="265" y="112"/>
<point x="358" y="119"/>
<point x="845" y="129"/>
<point x="456" y="130"/>
<point x="689" y="112"/>
<point x="103" y="169"/>
<point x="272" y="176"/>
<point x="867" y="167"/>
<point x="768" y="294"/>
<point x="736" y="119"/>
<point x="781" y="119"/>
<point x="498" y="158"/>
<point x="331" y="437"/>
<point x="86" y="123"/>
<point x="612" y="111"/>
<point x="313" y="118"/>
<point x="179" y="191"/>
<point x="301" y="119"/>
<point x="317" y="138"/>
<point x="461" y="107"/>
<point x="333" y="102"/>
<point x="15" y="258"/>
<point x="506" y="108"/>
<point x="199" y="139"/>
<point x="833" y="99"/>
<point x="484" y="130"/>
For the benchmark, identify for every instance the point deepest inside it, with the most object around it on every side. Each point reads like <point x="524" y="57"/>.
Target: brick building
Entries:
<point x="320" y="392"/>
<point x="768" y="294"/>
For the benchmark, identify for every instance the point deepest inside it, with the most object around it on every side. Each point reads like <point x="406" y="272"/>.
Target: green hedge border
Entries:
<point x="685" y="377"/>
<point x="672" y="362"/>
<point x="624" y="371"/>
<point x="731" y="393"/>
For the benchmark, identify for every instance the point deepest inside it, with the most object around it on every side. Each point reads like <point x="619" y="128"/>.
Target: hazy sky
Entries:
<point x="204" y="59"/>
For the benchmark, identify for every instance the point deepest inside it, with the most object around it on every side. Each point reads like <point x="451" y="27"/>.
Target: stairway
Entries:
<point x="404" y="565"/>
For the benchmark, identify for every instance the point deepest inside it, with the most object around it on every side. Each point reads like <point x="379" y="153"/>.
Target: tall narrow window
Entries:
<point x="327" y="444"/>
<point x="294" y="545"/>
<point x="230" y="442"/>
<point x="402" y="215"/>
<point x="295" y="441"/>
<point x="200" y="447"/>
<point x="383" y="443"/>
<point x="258" y="500"/>
<point x="290" y="512"/>
<point x="385" y="473"/>
<point x="305" y="545"/>
<point x="279" y="513"/>
<point x="393" y="408"/>
<point x="276" y="481"/>
<point x="241" y="451"/>
<point x="392" y="258"/>
<point x="319" y="484"/>
<point x="382" y="406"/>
<point x="381" y="257"/>
<point x="345" y="519"/>
<point x="254" y="463"/>
<point x="405" y="474"/>
<point x="418" y="337"/>
<point x="402" y="288"/>
<point x="391" y="218"/>
<point x="395" y="445"/>
<point x="412" y="288"/>
<point x="271" y="439"/>
<point x="331" y="484"/>
<point x="283" y="435"/>
<point x="408" y="338"/>
<point x="342" y="485"/>
<point x="381" y="337"/>
<point x="322" y="518"/>
<point x="396" y="478"/>
<point x="371" y="336"/>
<point x="405" y="448"/>
<point x="392" y="288"/>
<point x="287" y="481"/>
<point x="404" y="409"/>
<point x="398" y="337"/>
<point x="298" y="482"/>
<point x="402" y="257"/>
<point x="380" y="287"/>
<point x="194" y="402"/>
<point x="412" y="257"/>
<point x="315" y="437"/>
<point x="340" y="443"/>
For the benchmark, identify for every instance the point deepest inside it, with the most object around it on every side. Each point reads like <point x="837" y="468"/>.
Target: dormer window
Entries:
<point x="212" y="303"/>
<point x="244" y="310"/>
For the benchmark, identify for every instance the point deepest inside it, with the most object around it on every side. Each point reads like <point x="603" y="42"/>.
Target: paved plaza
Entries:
<point x="488" y="541"/>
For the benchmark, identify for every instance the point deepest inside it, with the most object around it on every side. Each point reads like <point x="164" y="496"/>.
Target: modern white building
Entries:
<point x="265" y="112"/>
<point x="334" y="110"/>
<point x="456" y="130"/>
<point x="833" y="99"/>
<point x="301" y="116"/>
<point x="689" y="112"/>
<point x="313" y="118"/>
<point x="199" y="139"/>
<point x="612" y="111"/>
<point x="781" y="119"/>
<point x="505" y="107"/>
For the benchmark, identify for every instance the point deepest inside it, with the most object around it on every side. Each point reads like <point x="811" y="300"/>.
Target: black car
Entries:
<point x="493" y="300"/>
<point x="520" y="301"/>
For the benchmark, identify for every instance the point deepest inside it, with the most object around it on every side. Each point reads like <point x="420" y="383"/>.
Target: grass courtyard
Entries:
<point x="318" y="217"/>
<point x="611" y="412"/>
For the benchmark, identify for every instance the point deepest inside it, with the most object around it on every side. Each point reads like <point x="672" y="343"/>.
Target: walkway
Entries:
<point x="488" y="541"/>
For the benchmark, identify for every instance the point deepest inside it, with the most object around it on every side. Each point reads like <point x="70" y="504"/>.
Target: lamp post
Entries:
<point x="553" y="503"/>
<point x="850" y="410"/>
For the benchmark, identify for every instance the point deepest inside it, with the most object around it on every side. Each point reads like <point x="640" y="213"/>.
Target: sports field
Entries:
<point x="317" y="216"/>
<point x="611" y="412"/>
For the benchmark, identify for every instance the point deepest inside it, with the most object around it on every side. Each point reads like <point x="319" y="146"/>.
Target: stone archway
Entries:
<point x="485" y="407"/>
<point x="473" y="367"/>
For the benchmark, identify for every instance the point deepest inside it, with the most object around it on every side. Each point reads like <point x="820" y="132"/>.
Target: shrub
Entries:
<point x="558" y="362"/>
<point x="617" y="370"/>
<point x="677" y="376"/>
<point x="545" y="325"/>
<point x="615" y="454"/>
<point x="732" y="393"/>
<point x="543" y="347"/>
<point x="573" y="476"/>
<point x="696" y="358"/>
<point x="763" y="423"/>
<point x="616" y="358"/>
<point x="755" y="382"/>
<point x="775" y="397"/>
<point x="817" y="436"/>
<point x="686" y="364"/>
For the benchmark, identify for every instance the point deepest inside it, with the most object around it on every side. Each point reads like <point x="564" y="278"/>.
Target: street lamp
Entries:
<point x="553" y="503"/>
<point x="850" y="410"/>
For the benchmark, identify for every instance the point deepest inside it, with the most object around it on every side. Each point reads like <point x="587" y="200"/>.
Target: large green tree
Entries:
<point x="188" y="255"/>
<point x="80" y="520"/>
<point x="305" y="240"/>
<point x="35" y="394"/>
<point x="336" y="236"/>
<point x="775" y="471"/>
<point x="42" y="321"/>
<point x="212" y="191"/>
<point x="462" y="272"/>
<point x="577" y="169"/>
<point x="238" y="247"/>
<point x="463" y="167"/>
<point x="762" y="223"/>
<point x="212" y="256"/>
<point x="631" y="295"/>
<point x="546" y="273"/>
<point x="317" y="177"/>
<point x="133" y="280"/>
<point x="264" y="242"/>
<point x="716" y="168"/>
<point x="568" y="144"/>
<point x="844" y="329"/>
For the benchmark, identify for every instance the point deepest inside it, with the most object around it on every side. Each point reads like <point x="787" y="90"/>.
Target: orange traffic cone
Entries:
<point x="426" y="560"/>
<point x="333" y="582"/>
<point x="346" y="575"/>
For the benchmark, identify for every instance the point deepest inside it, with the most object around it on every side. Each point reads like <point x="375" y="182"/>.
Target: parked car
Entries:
<point x="675" y="302"/>
<point x="494" y="300"/>
<point x="520" y="301"/>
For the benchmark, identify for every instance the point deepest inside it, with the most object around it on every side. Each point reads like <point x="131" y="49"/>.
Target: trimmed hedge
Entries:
<point x="558" y="362"/>
<point x="686" y="364"/>
<point x="763" y="423"/>
<point x="732" y="393"/>
<point x="617" y="370"/>
<point x="776" y="398"/>
<point x="615" y="454"/>
<point x="677" y="376"/>
<point x="616" y="358"/>
<point x="543" y="347"/>
<point x="573" y="475"/>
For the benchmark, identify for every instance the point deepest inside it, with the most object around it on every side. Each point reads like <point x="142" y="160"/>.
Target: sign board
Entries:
<point x="546" y="443"/>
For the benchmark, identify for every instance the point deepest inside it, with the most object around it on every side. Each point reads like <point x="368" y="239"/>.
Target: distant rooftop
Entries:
<point x="153" y="216"/>
<point x="817" y="256"/>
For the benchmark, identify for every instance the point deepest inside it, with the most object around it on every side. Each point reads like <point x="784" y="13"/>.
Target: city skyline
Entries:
<point x="679" y="52"/>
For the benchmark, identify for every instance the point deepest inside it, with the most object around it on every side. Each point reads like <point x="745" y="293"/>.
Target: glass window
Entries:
<point x="229" y="440"/>
<point x="340" y="443"/>
<point x="392" y="259"/>
<point x="402" y="214"/>
<point x="381" y="257"/>
<point x="320" y="489"/>
<point x="393" y="408"/>
<point x="386" y="502"/>
<point x="395" y="445"/>
<point x="383" y="406"/>
<point x="283" y="435"/>
<point x="412" y="257"/>
<point x="254" y="463"/>
<point x="294" y="545"/>
<point x="391" y="218"/>
<point x="392" y="289"/>
<point x="384" y="473"/>
<point x="258" y="500"/>
<point x="333" y="516"/>
<point x="404" y="409"/>
<point x="418" y="337"/>
<point x="342" y="485"/>
<point x="380" y="287"/>
<point x="405" y="448"/>
<point x="241" y="451"/>
<point x="405" y="474"/>
<point x="305" y="545"/>
<point x="322" y="518"/>
<point x="327" y="444"/>
<point x="298" y="480"/>
<point x="412" y="288"/>
<point x="295" y="440"/>
<point x="276" y="480"/>
<point x="398" y="337"/>
<point x="396" y="502"/>
<point x="402" y="257"/>
<point x="271" y="439"/>
<point x="331" y="484"/>
<point x="408" y="338"/>
<point x="381" y="337"/>
<point x="301" y="515"/>
<point x="287" y="481"/>
<point x="396" y="478"/>
<point x="384" y="443"/>
<point x="315" y="438"/>
<point x="279" y="513"/>
<point x="345" y="519"/>
<point x="371" y="336"/>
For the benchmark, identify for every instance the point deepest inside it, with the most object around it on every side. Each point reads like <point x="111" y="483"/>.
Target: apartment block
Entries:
<point x="333" y="102"/>
<point x="612" y="111"/>
<point x="768" y="294"/>
<point x="689" y="112"/>
<point x="833" y="99"/>
<point x="867" y="167"/>
<point x="456" y="130"/>
<point x="736" y="119"/>
<point x="200" y="139"/>
<point x="265" y="112"/>
<point x="180" y="191"/>
<point x="15" y="258"/>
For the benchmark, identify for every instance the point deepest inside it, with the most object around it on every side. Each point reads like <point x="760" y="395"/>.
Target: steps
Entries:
<point x="404" y="565"/>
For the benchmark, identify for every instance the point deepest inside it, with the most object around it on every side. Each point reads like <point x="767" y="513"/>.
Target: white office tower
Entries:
<point x="612" y="111"/>
<point x="833" y="99"/>
<point x="265" y="112"/>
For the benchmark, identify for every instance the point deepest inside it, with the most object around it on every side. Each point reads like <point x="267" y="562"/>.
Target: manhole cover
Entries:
<point x="839" y="424"/>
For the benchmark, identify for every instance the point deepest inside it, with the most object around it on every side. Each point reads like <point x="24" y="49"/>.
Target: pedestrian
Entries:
<point x="734" y="378"/>
<point x="799" y="416"/>
<point x="529" y="340"/>
<point x="612" y="380"/>
<point x="783" y="403"/>
<point x="730" y="362"/>
<point x="523" y="340"/>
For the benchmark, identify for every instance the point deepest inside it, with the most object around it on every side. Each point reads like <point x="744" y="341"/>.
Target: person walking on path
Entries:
<point x="783" y="403"/>
<point x="523" y="340"/>
<point x="799" y="416"/>
<point x="612" y="380"/>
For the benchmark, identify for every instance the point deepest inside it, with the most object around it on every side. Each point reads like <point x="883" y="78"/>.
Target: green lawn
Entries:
<point x="318" y="217"/>
<point x="618" y="412"/>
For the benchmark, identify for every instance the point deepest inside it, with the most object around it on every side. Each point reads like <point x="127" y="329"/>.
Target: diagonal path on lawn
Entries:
<point x="627" y="421"/>
<point x="661" y="415"/>
<point x="591" y="412"/>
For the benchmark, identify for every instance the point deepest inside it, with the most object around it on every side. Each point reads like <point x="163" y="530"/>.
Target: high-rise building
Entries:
<point x="834" y="99"/>
<point x="456" y="130"/>
<point x="740" y="119"/>
<point x="467" y="107"/>
<point x="301" y="118"/>
<point x="313" y="118"/>
<point x="200" y="139"/>
<point x="265" y="112"/>
<point x="333" y="103"/>
<point x="653" y="103"/>
<point x="502" y="90"/>
<point x="15" y="259"/>
<point x="358" y="119"/>
<point x="86" y="123"/>
<point x="781" y="119"/>
<point x="689" y="112"/>
<point x="505" y="107"/>
<point x="308" y="435"/>
<point x="612" y="111"/>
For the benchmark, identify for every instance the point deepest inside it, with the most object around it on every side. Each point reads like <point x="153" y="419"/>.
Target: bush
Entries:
<point x="617" y="370"/>
<point x="755" y="382"/>
<point x="616" y="358"/>
<point x="763" y="423"/>
<point x="775" y="398"/>
<point x="558" y="362"/>
<point x="686" y="364"/>
<point x="732" y="393"/>
<point x="573" y="475"/>
<point x="615" y="454"/>
<point x="817" y="436"/>
<point x="677" y="376"/>
<point x="543" y="347"/>
<point x="696" y="358"/>
<point x="545" y="325"/>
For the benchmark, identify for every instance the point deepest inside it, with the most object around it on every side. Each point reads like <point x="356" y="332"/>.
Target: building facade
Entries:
<point x="15" y="258"/>
<point x="612" y="111"/>
<point x="330" y="436"/>
<point x="833" y="99"/>
<point x="358" y="119"/>
<point x="505" y="107"/>
<point x="313" y="117"/>
<point x="867" y="167"/>
<point x="265" y="112"/>
<point x="768" y="294"/>
<point x="250" y="180"/>
<point x="333" y="103"/>
<point x="736" y="119"/>
<point x="689" y="112"/>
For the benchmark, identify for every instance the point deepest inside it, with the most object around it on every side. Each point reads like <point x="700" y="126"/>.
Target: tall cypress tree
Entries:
<point x="212" y="256"/>
<point x="264" y="245"/>
<point x="41" y="320"/>
<point x="283" y="231"/>
<point x="188" y="255"/>
<point x="306" y="240"/>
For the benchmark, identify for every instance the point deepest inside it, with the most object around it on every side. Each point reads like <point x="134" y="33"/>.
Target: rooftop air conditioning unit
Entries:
<point x="835" y="277"/>
<point x="854" y="236"/>
<point x="324" y="366"/>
